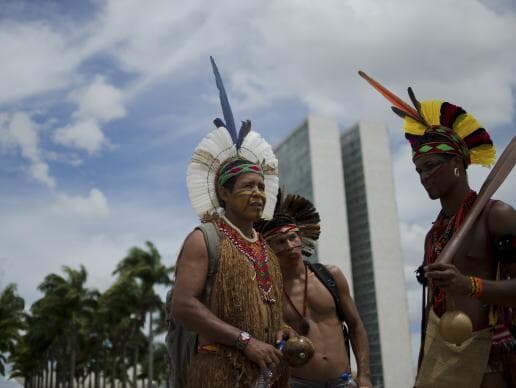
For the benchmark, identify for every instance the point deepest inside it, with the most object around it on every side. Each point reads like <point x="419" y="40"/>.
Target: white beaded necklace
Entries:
<point x="251" y="240"/>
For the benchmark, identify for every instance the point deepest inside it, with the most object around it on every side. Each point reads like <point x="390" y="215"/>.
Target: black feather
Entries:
<point x="219" y="123"/>
<point x="399" y="112"/>
<point x="244" y="130"/>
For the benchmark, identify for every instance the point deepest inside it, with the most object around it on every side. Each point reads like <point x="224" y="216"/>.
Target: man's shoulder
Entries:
<point x="331" y="268"/>
<point x="501" y="218"/>
<point x="194" y="237"/>
<point x="329" y="272"/>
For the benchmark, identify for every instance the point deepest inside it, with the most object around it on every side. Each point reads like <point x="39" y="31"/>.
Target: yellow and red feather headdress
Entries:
<point x="432" y="115"/>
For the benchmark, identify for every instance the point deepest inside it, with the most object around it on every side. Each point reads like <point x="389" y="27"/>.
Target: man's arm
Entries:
<point x="501" y="222"/>
<point x="186" y="307"/>
<point x="357" y="332"/>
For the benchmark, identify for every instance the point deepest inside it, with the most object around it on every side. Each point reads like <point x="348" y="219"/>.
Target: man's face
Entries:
<point x="287" y="247"/>
<point x="247" y="199"/>
<point x="436" y="174"/>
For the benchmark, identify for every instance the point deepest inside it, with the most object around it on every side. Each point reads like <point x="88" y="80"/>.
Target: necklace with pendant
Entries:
<point x="304" y="326"/>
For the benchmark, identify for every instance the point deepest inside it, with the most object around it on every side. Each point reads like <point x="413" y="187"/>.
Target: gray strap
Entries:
<point x="211" y="236"/>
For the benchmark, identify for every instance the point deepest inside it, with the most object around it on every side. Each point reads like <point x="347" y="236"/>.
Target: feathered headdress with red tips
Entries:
<point x="466" y="136"/>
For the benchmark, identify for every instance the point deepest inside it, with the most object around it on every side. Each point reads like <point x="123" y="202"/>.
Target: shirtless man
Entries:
<point x="445" y="140"/>
<point x="477" y="263"/>
<point x="308" y="305"/>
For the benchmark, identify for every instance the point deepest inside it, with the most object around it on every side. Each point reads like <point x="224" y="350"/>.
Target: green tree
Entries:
<point x="11" y="322"/>
<point x="146" y="267"/>
<point x="67" y="303"/>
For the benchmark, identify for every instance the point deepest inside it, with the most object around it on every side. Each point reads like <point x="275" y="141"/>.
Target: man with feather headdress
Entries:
<point x="234" y="305"/>
<point x="317" y="301"/>
<point x="477" y="291"/>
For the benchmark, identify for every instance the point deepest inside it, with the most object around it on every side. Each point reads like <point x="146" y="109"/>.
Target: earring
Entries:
<point x="456" y="171"/>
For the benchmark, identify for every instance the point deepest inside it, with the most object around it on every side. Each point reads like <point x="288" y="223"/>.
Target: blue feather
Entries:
<point x="224" y="102"/>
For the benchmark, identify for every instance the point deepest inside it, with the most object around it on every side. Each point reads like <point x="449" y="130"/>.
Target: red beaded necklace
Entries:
<point x="439" y="235"/>
<point x="256" y="252"/>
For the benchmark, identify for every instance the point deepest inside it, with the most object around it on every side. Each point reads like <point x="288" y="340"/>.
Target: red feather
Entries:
<point x="392" y="98"/>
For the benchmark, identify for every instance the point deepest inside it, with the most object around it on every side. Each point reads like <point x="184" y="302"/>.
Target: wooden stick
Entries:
<point x="499" y="172"/>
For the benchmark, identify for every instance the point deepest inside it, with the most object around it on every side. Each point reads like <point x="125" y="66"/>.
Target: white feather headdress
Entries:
<point x="221" y="145"/>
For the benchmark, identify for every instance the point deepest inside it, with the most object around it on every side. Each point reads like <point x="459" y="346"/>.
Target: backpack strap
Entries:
<point x="211" y="236"/>
<point x="327" y="279"/>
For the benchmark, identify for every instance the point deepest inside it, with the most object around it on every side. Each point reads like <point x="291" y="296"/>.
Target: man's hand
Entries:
<point x="285" y="333"/>
<point x="265" y="355"/>
<point x="364" y="381"/>
<point x="448" y="277"/>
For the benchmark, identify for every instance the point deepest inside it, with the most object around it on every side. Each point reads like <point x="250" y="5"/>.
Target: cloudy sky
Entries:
<point x="102" y="103"/>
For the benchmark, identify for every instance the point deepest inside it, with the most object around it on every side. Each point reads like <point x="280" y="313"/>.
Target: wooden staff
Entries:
<point x="499" y="172"/>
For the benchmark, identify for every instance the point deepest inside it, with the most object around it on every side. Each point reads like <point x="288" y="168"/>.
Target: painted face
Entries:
<point x="287" y="246"/>
<point x="436" y="174"/>
<point x="248" y="196"/>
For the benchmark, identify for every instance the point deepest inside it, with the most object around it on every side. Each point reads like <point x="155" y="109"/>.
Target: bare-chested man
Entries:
<point x="472" y="278"/>
<point x="481" y="281"/>
<point x="308" y="304"/>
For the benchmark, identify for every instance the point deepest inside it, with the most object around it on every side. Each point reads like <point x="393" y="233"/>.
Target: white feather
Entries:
<point x="216" y="148"/>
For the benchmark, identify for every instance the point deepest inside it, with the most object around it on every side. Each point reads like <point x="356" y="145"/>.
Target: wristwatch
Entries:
<point x="242" y="340"/>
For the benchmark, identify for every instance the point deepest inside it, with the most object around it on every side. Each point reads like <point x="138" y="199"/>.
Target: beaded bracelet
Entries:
<point x="477" y="287"/>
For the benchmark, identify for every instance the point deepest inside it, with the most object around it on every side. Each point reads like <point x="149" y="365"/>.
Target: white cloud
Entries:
<point x="35" y="59"/>
<point x="314" y="52"/>
<point x="85" y="134"/>
<point x="97" y="103"/>
<point x="99" y="100"/>
<point x="98" y="243"/>
<point x="18" y="130"/>
<point x="94" y="205"/>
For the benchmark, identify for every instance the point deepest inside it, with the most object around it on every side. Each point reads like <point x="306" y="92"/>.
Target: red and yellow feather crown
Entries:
<point x="427" y="116"/>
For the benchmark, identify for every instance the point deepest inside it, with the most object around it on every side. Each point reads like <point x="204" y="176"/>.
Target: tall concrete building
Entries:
<point x="348" y="176"/>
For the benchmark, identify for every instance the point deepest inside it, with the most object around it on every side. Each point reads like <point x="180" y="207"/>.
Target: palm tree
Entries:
<point x="119" y="308"/>
<point x="11" y="322"/>
<point x="145" y="266"/>
<point x="67" y="302"/>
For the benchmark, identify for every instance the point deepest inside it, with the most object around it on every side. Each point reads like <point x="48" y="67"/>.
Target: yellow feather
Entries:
<point x="465" y="125"/>
<point x="431" y="112"/>
<point x="413" y="127"/>
<point x="484" y="155"/>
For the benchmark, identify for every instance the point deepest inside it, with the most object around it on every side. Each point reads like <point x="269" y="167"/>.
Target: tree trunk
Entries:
<point x="151" y="352"/>
<point x="113" y="372"/>
<point x="135" y="366"/>
<point x="52" y="371"/>
<point x="124" y="367"/>
<point x="97" y="374"/>
<point x="45" y="374"/>
<point x="73" y="356"/>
